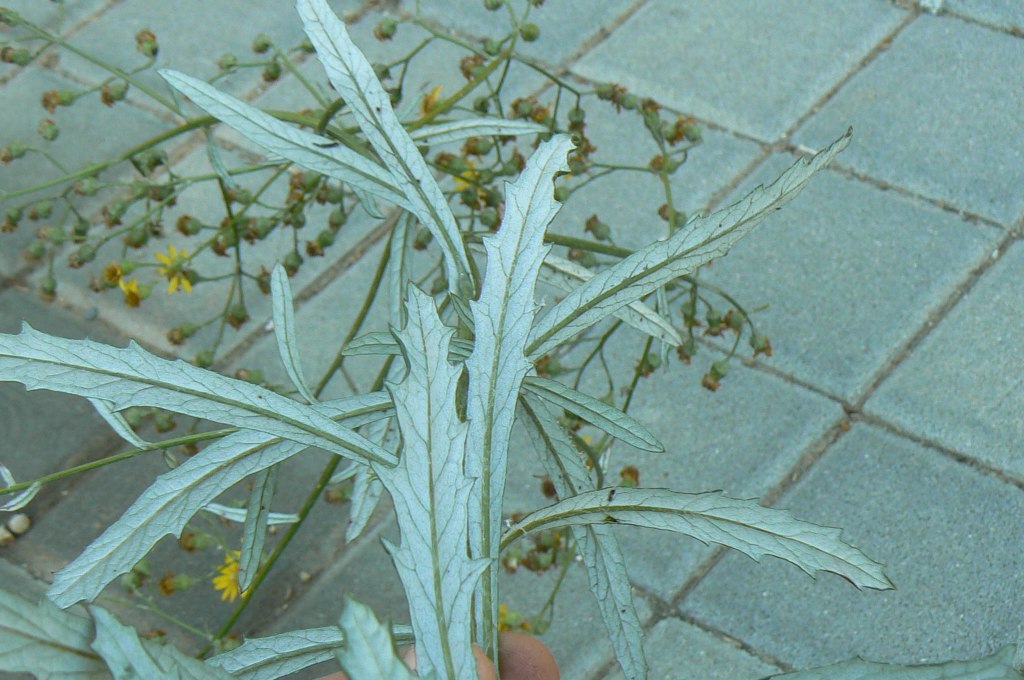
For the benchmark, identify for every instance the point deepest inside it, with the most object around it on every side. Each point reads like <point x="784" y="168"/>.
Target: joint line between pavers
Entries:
<point x="941" y="449"/>
<point x="1013" y="31"/>
<point x="75" y="28"/>
<point x="935" y="317"/>
<point x="882" y="46"/>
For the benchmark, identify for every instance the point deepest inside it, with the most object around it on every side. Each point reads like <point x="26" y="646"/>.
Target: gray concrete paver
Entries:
<point x="753" y="67"/>
<point x="1006" y="14"/>
<point x="677" y="650"/>
<point x="929" y="520"/>
<point x="962" y="387"/>
<point x="934" y="117"/>
<point x="848" y="273"/>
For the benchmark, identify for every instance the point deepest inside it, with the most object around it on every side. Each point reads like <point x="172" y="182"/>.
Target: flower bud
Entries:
<point x="85" y="253"/>
<point x="145" y="42"/>
<point x="272" y="71"/>
<point x="492" y="47"/>
<point x="385" y="29"/>
<point x="600" y="230"/>
<point x="493" y="4"/>
<point x="35" y="250"/>
<point x="182" y="332"/>
<point x="720" y="368"/>
<point x="18" y="56"/>
<point x="40" y="210"/>
<point x="48" y="129"/>
<point x="204" y="358"/>
<point x="561" y="194"/>
<point x="13" y="151"/>
<point x="482" y="104"/>
<point x="529" y="32"/>
<point x="48" y="287"/>
<point x="291" y="263"/>
<point x="87" y="186"/>
<point x="325" y="238"/>
<point x="188" y="225"/>
<point x="261" y="43"/>
<point x="114" y="92"/>
<point x="227" y="61"/>
<point x="422" y="239"/>
<point x="136" y="237"/>
<point x="163" y="421"/>
<point x="489" y="218"/>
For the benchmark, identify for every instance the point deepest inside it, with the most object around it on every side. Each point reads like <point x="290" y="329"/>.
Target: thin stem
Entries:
<point x="125" y="455"/>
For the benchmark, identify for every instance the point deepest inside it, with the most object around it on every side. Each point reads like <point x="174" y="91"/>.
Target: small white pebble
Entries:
<point x="6" y="537"/>
<point x="932" y="6"/>
<point x="19" y="524"/>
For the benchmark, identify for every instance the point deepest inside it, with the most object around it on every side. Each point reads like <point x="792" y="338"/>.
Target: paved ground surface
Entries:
<point x="892" y="406"/>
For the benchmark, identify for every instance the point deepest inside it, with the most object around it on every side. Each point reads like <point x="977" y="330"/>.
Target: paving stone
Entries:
<point x="1006" y="14"/>
<point x="563" y="28"/>
<point x="941" y="133"/>
<point x="962" y="386"/>
<point x="189" y="41"/>
<point x="679" y="651"/>
<point x="32" y="446"/>
<point x="848" y="273"/>
<point x="82" y="141"/>
<point x="928" y="519"/>
<point x="753" y="67"/>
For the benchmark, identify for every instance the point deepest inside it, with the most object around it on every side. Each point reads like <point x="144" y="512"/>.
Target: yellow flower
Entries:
<point x="112" y="273"/>
<point x="430" y="100"/>
<point x="227" y="580"/>
<point x="466" y="179"/>
<point x="174" y="269"/>
<point x="132" y="296"/>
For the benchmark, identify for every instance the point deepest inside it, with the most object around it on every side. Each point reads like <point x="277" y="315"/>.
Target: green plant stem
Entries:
<point x="167" y="616"/>
<point x="368" y="301"/>
<point x="261" y="574"/>
<point x="125" y="455"/>
<point x="43" y="34"/>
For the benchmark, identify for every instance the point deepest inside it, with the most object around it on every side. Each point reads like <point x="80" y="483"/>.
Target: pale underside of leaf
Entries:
<point x="134" y="377"/>
<point x="118" y="423"/>
<point x="43" y="640"/>
<point x="712" y="517"/>
<point x="701" y="239"/>
<point x="254" y="529"/>
<point x="382" y="343"/>
<point x="596" y="544"/>
<point x="599" y="414"/>
<point x="430" y="491"/>
<point x="235" y="514"/>
<point x="131" y="658"/>
<point x="458" y="130"/>
<point x="309" y="150"/>
<point x="278" y="656"/>
<point x="998" y="666"/>
<point x="502" y="317"/>
<point x="284" y="331"/>
<point x="166" y="506"/>
<point x="22" y="499"/>
<point x="356" y="82"/>
<point x="369" y="652"/>
<point x="367" y="489"/>
<point x="568" y="275"/>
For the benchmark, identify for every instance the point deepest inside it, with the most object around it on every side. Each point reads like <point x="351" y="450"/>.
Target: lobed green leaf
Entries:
<point x="312" y="151"/>
<point x="700" y="240"/>
<point x="712" y="517"/>
<point x="356" y="82"/>
<point x="134" y="377"/>
<point x="167" y="505"/>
